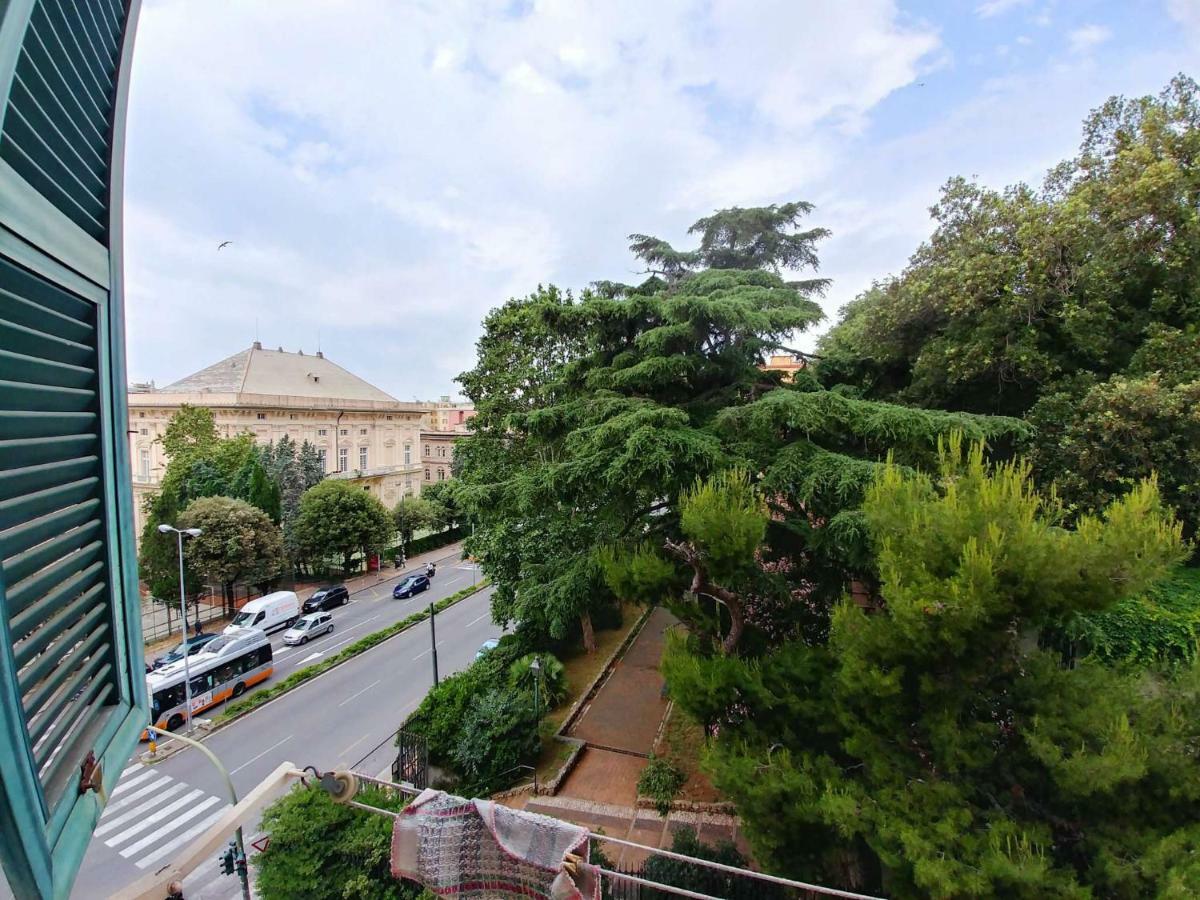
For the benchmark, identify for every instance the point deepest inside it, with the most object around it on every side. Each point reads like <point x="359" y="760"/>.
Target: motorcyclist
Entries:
<point x="430" y="570"/>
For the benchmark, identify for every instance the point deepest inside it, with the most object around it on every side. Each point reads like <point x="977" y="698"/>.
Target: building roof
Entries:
<point x="277" y="372"/>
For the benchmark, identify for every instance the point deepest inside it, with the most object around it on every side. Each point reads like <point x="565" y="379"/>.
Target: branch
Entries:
<point x="637" y="516"/>
<point x="797" y="352"/>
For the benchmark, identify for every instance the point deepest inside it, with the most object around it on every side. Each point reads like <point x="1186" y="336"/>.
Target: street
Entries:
<point x="342" y="718"/>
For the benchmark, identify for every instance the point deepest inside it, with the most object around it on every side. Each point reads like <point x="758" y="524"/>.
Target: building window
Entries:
<point x="408" y="454"/>
<point x="427" y="473"/>
<point x="362" y="458"/>
<point x="292" y="416"/>
<point x="145" y="431"/>
<point x="408" y="484"/>
<point x="344" y="432"/>
<point x="441" y="474"/>
<point x="321" y="457"/>
<point x="322" y="432"/>
<point x="144" y="464"/>
<point x="141" y="415"/>
<point x="362" y="431"/>
<point x="343" y="458"/>
<point x="389" y="418"/>
<point x="262" y="415"/>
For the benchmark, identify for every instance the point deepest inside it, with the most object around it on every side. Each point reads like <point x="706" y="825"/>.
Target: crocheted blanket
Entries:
<point x="479" y="849"/>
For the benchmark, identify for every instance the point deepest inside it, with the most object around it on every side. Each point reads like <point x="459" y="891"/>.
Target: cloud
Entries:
<point x="1186" y="12"/>
<point x="388" y="176"/>
<point x="1086" y="38"/>
<point x="990" y="8"/>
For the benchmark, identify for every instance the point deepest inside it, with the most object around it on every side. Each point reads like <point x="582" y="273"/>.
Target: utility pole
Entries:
<point x="433" y="643"/>
<point x="187" y="674"/>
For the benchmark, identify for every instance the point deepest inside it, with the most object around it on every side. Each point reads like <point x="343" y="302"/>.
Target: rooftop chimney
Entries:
<point x="320" y="355"/>
<point x="301" y="352"/>
<point x="258" y="345"/>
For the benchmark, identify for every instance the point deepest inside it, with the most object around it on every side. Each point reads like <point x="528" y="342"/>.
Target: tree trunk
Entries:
<point x="737" y="624"/>
<point x="589" y="633"/>
<point x="227" y="597"/>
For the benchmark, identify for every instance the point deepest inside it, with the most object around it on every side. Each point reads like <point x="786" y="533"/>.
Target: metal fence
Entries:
<point x="692" y="877"/>
<point x="161" y="620"/>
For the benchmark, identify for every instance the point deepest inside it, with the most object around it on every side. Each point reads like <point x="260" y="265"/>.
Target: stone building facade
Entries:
<point x="445" y="423"/>
<point x="362" y="433"/>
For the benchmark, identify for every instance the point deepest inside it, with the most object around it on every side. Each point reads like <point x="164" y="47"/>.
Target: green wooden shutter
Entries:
<point x="71" y="681"/>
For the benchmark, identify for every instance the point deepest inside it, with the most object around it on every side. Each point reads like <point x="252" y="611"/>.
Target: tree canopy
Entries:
<point x="1073" y="304"/>
<point x="931" y="739"/>
<point x="340" y="519"/>
<point x="239" y="542"/>
<point x="595" y="414"/>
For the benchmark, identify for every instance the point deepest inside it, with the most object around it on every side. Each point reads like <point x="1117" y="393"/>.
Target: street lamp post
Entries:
<point x="187" y="672"/>
<point x="536" y="668"/>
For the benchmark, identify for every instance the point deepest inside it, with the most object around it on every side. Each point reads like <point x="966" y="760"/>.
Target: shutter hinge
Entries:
<point x="91" y="778"/>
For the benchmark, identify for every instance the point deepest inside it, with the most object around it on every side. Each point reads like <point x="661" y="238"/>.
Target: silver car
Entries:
<point x="307" y="627"/>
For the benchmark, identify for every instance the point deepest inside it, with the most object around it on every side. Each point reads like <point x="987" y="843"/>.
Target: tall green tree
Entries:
<point x="412" y="514"/>
<point x="442" y="498"/>
<point x="1073" y="304"/>
<point x="927" y="747"/>
<point x="238" y="543"/>
<point x="596" y="414"/>
<point x="337" y="518"/>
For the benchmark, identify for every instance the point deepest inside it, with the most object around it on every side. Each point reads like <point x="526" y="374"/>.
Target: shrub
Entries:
<point x="320" y="849"/>
<point x="551" y="678"/>
<point x="499" y="732"/>
<point x="703" y="880"/>
<point x="661" y="781"/>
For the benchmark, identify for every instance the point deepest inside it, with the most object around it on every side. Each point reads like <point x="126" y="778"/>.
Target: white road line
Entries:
<point x="311" y="658"/>
<point x="478" y="618"/>
<point x="125" y="785"/>
<point x="132" y="768"/>
<point x="180" y="819"/>
<point x="178" y="841"/>
<point x="148" y="788"/>
<point x="261" y="755"/>
<point x="359" y="694"/>
<point x="132" y="814"/>
<point x="423" y="652"/>
<point x="149" y="821"/>
<point x="355" y="744"/>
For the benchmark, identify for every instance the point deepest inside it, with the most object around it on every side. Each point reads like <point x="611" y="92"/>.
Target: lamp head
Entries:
<point x="165" y="529"/>
<point x="194" y="532"/>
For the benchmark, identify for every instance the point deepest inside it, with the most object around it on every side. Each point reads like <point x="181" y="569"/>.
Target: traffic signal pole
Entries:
<point x="433" y="643"/>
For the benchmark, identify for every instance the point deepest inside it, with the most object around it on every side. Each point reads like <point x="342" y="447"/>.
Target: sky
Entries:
<point x="389" y="170"/>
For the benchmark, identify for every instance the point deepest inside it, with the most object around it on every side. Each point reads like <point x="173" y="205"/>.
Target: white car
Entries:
<point x="310" y="626"/>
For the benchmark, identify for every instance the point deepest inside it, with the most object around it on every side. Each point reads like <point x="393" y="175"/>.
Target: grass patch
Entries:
<point x="241" y="707"/>
<point x="682" y="742"/>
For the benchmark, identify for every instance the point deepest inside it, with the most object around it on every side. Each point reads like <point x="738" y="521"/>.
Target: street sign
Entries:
<point x="261" y="844"/>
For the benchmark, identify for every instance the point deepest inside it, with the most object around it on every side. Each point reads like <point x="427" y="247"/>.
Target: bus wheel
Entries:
<point x="176" y="721"/>
<point x="239" y="689"/>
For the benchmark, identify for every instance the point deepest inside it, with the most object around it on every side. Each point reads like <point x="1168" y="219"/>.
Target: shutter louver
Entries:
<point x="70" y="632"/>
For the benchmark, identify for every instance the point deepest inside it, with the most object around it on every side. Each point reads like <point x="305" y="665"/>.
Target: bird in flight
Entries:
<point x="223" y="244"/>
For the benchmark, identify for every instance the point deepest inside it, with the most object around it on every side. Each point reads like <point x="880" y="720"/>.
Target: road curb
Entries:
<point x="220" y="725"/>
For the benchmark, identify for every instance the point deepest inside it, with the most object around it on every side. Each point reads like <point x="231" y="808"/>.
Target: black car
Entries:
<point x="410" y="585"/>
<point x="195" y="642"/>
<point x="326" y="599"/>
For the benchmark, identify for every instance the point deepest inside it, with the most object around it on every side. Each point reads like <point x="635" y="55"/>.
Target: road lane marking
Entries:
<point x="423" y="652"/>
<point x="179" y="820"/>
<point x="310" y="658"/>
<point x="479" y="618"/>
<point x="130" y="769"/>
<point x="137" y="779"/>
<point x="132" y="814"/>
<point x="142" y="791"/>
<point x="360" y="693"/>
<point x="261" y="755"/>
<point x="158" y="816"/>
<point x="180" y="840"/>
<point x="343" y="753"/>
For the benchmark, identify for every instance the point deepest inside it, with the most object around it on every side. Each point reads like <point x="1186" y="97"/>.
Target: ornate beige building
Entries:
<point x="445" y="423"/>
<point x="362" y="433"/>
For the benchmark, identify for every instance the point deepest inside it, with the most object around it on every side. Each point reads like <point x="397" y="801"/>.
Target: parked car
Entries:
<point x="487" y="647"/>
<point x="310" y="626"/>
<point x="195" y="644"/>
<point x="278" y="610"/>
<point x="326" y="598"/>
<point x="410" y="586"/>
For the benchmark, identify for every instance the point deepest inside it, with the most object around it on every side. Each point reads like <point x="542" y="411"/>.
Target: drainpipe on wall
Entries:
<point x="337" y="440"/>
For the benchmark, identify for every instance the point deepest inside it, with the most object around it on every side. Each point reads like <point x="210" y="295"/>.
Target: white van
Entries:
<point x="278" y="610"/>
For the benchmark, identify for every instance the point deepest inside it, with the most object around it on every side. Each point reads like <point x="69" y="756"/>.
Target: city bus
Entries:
<point x="223" y="669"/>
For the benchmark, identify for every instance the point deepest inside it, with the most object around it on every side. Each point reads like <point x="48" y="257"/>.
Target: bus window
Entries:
<point x="201" y="684"/>
<point x="224" y="674"/>
<point x="264" y="655"/>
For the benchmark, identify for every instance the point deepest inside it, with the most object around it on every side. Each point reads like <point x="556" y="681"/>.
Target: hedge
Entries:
<point x="429" y="542"/>
<point x="241" y="707"/>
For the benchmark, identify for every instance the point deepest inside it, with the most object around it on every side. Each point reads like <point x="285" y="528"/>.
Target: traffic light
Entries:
<point x="226" y="859"/>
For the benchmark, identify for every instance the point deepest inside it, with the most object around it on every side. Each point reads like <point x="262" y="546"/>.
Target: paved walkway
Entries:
<point x="627" y="711"/>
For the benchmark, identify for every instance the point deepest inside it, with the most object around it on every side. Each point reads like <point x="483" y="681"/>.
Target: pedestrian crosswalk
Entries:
<point x="151" y="815"/>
